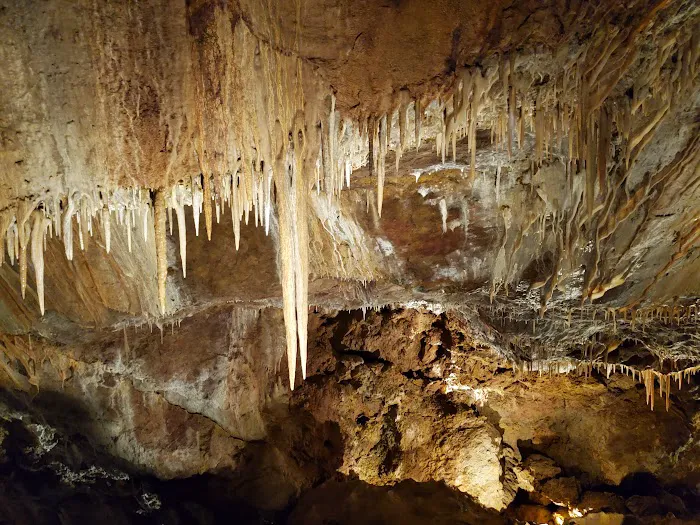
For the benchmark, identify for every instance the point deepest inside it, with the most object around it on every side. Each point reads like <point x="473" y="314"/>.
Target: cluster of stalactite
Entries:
<point x="268" y="135"/>
<point x="647" y="376"/>
<point x="576" y="118"/>
<point x="599" y="333"/>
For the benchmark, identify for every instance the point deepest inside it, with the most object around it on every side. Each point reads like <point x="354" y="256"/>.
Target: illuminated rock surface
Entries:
<point x="317" y="261"/>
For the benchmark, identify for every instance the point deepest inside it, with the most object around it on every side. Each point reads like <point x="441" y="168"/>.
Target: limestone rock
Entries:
<point x="562" y="491"/>
<point x="533" y="514"/>
<point x="541" y="467"/>
<point x="594" y="501"/>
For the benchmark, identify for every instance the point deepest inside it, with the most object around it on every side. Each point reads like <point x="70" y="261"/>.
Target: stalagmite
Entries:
<point x="161" y="246"/>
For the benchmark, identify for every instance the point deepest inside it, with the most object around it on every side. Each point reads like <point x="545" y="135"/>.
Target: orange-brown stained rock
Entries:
<point x="542" y="468"/>
<point x="563" y="492"/>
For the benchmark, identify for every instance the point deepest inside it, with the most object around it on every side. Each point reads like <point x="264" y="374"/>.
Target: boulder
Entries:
<point x="562" y="491"/>
<point x="533" y="514"/>
<point x="541" y="467"/>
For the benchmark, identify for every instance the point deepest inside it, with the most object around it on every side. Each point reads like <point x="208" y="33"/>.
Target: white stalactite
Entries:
<point x="381" y="163"/>
<point x="106" y="221"/>
<point x="24" y="231"/>
<point x="178" y="199"/>
<point x="38" y="232"/>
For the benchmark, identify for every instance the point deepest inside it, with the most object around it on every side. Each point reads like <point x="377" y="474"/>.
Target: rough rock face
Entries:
<point x="331" y="261"/>
<point x="383" y="363"/>
<point x="401" y="395"/>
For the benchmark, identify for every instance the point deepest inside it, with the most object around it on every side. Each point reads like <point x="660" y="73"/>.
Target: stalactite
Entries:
<point x="6" y="219"/>
<point x="301" y="270"/>
<point x="284" y="182"/>
<point x="381" y="168"/>
<point x="235" y="210"/>
<point x="207" y="197"/>
<point x="106" y="223"/>
<point x="38" y="231"/>
<point x="178" y="202"/>
<point x="197" y="202"/>
<point x="418" y="122"/>
<point x="128" y="235"/>
<point x="573" y="104"/>
<point x="161" y="246"/>
<point x="478" y="88"/>
<point x="403" y="116"/>
<point x="24" y="210"/>
<point x="647" y="377"/>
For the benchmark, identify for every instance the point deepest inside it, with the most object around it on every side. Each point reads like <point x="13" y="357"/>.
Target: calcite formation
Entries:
<point x="431" y="208"/>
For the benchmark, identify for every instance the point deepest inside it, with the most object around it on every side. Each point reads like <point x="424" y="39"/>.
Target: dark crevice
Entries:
<point x="419" y="374"/>
<point x="366" y="355"/>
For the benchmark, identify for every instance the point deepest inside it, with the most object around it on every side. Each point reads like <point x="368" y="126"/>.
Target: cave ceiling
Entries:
<point x="531" y="165"/>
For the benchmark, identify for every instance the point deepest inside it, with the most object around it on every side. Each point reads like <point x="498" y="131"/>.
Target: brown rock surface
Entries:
<point x="533" y="514"/>
<point x="489" y="333"/>
<point x="377" y="407"/>
<point x="541" y="467"/>
<point x="563" y="492"/>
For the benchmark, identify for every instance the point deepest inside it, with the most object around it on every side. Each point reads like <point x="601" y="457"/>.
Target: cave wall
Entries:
<point x="397" y="395"/>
